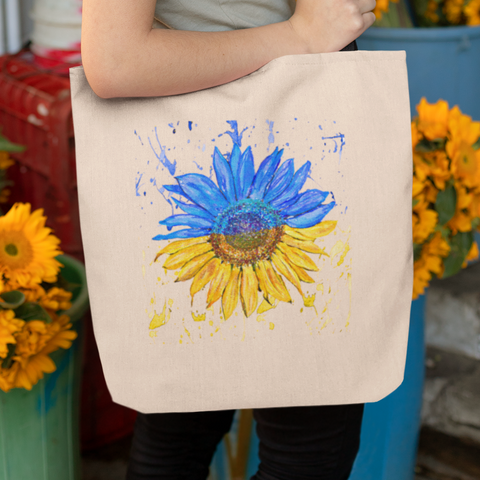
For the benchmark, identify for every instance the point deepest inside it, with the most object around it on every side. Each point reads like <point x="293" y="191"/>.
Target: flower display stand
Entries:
<point x="39" y="429"/>
<point x="442" y="63"/>
<point x="390" y="427"/>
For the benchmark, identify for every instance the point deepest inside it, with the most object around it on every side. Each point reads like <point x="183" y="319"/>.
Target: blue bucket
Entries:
<point x="442" y="63"/>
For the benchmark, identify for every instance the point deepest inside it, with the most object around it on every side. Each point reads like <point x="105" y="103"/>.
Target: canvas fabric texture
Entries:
<point x="250" y="245"/>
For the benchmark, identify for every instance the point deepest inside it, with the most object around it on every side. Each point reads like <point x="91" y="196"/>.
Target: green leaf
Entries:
<point x="460" y="246"/>
<point x="12" y="300"/>
<point x="8" y="146"/>
<point x="476" y="145"/>
<point x="430" y="145"/>
<point x="445" y="204"/>
<point x="414" y="202"/>
<point x="32" y="311"/>
<point x="8" y="360"/>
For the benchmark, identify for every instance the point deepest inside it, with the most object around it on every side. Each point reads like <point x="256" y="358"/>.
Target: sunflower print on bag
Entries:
<point x="248" y="232"/>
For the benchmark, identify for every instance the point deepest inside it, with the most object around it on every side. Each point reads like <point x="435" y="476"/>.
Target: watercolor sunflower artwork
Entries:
<point x="249" y="236"/>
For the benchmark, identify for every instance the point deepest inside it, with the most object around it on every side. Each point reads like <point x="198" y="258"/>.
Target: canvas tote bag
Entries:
<point x="250" y="245"/>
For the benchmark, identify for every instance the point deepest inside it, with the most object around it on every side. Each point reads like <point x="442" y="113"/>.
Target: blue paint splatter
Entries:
<point x="190" y="125"/>
<point x="171" y="167"/>
<point x="271" y="138"/>
<point x="198" y="166"/>
<point x="320" y="127"/>
<point x="234" y="135"/>
<point x="340" y="136"/>
<point x="287" y="144"/>
<point x="161" y="190"/>
<point x="135" y="132"/>
<point x="138" y="184"/>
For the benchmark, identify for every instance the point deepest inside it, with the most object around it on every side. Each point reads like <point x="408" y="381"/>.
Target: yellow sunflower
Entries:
<point x="472" y="12"/>
<point x="8" y="326"/>
<point x="5" y="160"/>
<point x="27" y="249"/>
<point x="453" y="10"/>
<point x="34" y="344"/>
<point x="432" y="119"/>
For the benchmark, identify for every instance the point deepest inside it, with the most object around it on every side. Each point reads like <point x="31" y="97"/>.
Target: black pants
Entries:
<point x="296" y="443"/>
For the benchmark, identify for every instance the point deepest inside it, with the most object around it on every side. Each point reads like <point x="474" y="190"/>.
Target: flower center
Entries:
<point x="15" y="250"/>
<point x="246" y="232"/>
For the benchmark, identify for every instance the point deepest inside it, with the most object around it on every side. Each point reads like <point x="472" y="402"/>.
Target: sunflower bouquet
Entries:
<point x="32" y="298"/>
<point x="427" y="13"/>
<point x="446" y="191"/>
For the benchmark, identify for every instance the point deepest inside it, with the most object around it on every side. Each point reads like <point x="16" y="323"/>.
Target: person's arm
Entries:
<point x="123" y="56"/>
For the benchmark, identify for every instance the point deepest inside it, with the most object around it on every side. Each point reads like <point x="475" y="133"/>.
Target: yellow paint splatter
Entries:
<point x="188" y="333"/>
<point x="153" y="333"/>
<point x="200" y="317"/>
<point x="337" y="248"/>
<point x="271" y="326"/>
<point x="327" y="321"/>
<point x="210" y="309"/>
<point x="308" y="301"/>
<point x="143" y="270"/>
<point x="260" y="318"/>
<point x="170" y="302"/>
<point x="323" y="252"/>
<point x="342" y="257"/>
<point x="159" y="320"/>
<point x="210" y="323"/>
<point x="264" y="306"/>
<point x="320" y="287"/>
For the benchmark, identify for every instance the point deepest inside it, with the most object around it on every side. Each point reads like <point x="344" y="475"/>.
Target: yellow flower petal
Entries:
<point x="306" y="246"/>
<point x="297" y="257"/>
<point x="282" y="265"/>
<point x="230" y="295"/>
<point x="271" y="281"/>
<point x="219" y="283"/>
<point x="249" y="290"/>
<point x="193" y="266"/>
<point x="321" y="229"/>
<point x="205" y="275"/>
<point x="176" y="246"/>
<point x="177" y="260"/>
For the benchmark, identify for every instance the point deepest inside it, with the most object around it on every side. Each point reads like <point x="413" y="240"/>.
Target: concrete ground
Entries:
<point x="440" y="457"/>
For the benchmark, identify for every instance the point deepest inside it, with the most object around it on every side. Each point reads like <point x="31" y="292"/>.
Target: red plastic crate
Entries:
<point x="35" y="111"/>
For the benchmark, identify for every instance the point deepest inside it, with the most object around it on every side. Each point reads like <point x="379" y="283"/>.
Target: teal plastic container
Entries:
<point x="442" y="63"/>
<point x="39" y="429"/>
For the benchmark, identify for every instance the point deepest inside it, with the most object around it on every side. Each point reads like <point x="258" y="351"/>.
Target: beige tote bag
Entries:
<point x="250" y="245"/>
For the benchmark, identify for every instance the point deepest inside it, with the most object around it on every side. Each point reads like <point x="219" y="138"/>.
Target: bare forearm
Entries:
<point x="170" y="62"/>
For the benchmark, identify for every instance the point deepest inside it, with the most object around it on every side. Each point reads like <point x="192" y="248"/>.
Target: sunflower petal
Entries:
<point x="280" y="182"/>
<point x="249" y="290"/>
<point x="305" y="202"/>
<point x="186" y="233"/>
<point x="320" y="230"/>
<point x="284" y="268"/>
<point x="219" y="283"/>
<point x="224" y="176"/>
<point x="289" y="195"/>
<point x="297" y="257"/>
<point x="271" y="281"/>
<point x="301" y="273"/>
<point x="296" y="233"/>
<point x="230" y="295"/>
<point x="306" y="246"/>
<point x="246" y="172"/>
<point x="235" y="162"/>
<point x="311" y="218"/>
<point x="180" y="244"/>
<point x="205" y="275"/>
<point x="192" y="209"/>
<point x="265" y="173"/>
<point x="183" y="256"/>
<point x="188" y="221"/>
<point x="203" y="192"/>
<point x="194" y="266"/>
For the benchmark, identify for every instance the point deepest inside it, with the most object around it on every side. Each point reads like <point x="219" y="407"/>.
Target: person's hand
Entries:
<point x="330" y="25"/>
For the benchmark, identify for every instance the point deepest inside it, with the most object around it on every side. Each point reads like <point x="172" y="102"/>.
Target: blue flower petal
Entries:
<point x="265" y="174"/>
<point x="201" y="190"/>
<point x="311" y="218"/>
<point x="305" y="202"/>
<point x="235" y="160"/>
<point x="186" y="220"/>
<point x="224" y="176"/>
<point x="280" y="181"/>
<point x="290" y="193"/>
<point x="246" y="172"/>
<point x="174" y="189"/>
<point x="193" y="209"/>
<point x="187" y="233"/>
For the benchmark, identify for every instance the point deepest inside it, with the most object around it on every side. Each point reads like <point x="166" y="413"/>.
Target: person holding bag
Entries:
<point x="212" y="43"/>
